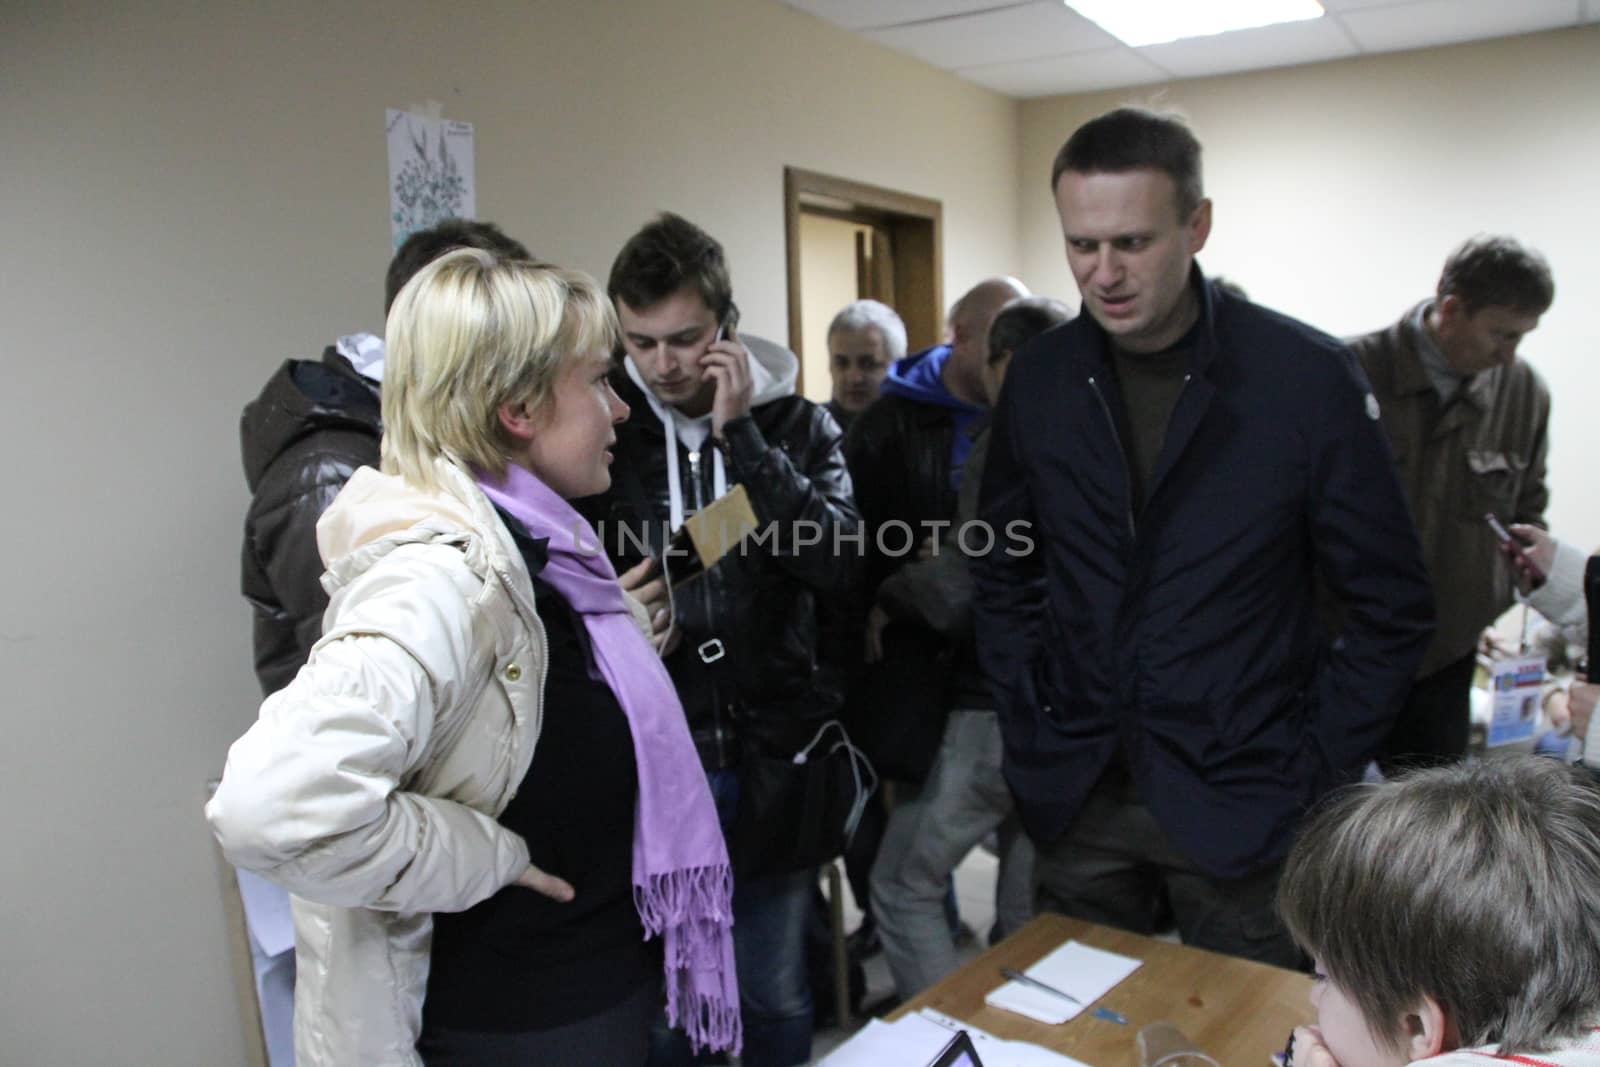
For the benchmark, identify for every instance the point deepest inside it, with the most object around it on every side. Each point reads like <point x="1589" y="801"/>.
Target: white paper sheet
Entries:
<point x="266" y="913"/>
<point x="916" y="1039"/>
<point x="1074" y="968"/>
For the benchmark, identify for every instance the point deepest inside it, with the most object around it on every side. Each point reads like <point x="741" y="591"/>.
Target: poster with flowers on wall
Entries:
<point x="431" y="174"/>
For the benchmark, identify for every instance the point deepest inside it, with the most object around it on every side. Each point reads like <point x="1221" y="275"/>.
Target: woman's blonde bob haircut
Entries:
<point x="472" y="331"/>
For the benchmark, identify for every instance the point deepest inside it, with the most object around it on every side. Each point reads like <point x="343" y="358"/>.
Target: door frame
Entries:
<point x="915" y="225"/>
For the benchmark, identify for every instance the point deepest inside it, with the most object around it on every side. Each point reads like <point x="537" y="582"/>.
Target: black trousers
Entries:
<point x="1116" y="861"/>
<point x="618" y="1035"/>
<point x="1434" y="721"/>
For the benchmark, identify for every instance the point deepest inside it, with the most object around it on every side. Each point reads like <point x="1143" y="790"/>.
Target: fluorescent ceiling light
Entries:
<point x="1142" y="22"/>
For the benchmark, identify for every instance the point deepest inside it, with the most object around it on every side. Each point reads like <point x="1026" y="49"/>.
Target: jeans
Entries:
<point x="964" y="798"/>
<point x="769" y="946"/>
<point x="1112" y="864"/>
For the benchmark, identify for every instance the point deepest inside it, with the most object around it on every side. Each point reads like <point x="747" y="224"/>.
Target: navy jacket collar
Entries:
<point x="1207" y="345"/>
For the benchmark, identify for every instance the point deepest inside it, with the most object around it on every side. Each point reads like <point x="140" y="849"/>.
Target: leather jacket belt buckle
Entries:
<point x="712" y="650"/>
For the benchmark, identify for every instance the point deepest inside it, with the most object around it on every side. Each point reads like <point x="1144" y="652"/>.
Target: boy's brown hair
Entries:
<point x="1477" y="885"/>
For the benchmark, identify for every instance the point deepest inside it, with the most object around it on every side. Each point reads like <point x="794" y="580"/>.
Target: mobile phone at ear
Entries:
<point x="729" y="323"/>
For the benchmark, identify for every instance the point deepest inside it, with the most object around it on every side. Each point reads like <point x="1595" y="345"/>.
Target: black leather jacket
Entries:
<point x="899" y="457"/>
<point x="758" y="601"/>
<point x="301" y="440"/>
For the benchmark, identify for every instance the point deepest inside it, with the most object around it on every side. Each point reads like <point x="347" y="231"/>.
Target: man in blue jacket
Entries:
<point x="1197" y="472"/>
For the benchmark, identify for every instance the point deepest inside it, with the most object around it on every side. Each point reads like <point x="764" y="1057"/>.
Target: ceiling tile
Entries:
<point x="1029" y="48"/>
<point x="1266" y="46"/>
<point x="1081" y="72"/>
<point x="1438" y="22"/>
<point x="1028" y="31"/>
<point x="871" y="14"/>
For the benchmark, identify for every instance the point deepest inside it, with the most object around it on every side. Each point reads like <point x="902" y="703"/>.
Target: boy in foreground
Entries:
<point x="1454" y="916"/>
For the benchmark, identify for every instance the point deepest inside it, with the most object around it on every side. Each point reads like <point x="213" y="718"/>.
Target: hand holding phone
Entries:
<point x="1515" y="550"/>
<point x="727" y="362"/>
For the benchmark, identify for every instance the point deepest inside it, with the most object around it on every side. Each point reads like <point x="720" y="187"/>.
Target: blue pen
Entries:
<point x="1096" y="1011"/>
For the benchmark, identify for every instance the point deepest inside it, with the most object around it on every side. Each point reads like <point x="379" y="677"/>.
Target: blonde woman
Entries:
<point x="480" y="788"/>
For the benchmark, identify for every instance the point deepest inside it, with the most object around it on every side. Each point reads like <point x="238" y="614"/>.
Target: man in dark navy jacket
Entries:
<point x="1196" y="472"/>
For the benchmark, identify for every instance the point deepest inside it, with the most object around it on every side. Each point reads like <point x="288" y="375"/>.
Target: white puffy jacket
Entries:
<point x="370" y="786"/>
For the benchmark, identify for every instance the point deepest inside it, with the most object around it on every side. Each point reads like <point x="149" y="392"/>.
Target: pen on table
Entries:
<point x="1028" y="979"/>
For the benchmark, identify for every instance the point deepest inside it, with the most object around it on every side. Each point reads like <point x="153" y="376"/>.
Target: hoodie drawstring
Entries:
<point x="719" y="473"/>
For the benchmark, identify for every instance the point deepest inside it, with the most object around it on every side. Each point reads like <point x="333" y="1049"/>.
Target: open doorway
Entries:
<point x="848" y="241"/>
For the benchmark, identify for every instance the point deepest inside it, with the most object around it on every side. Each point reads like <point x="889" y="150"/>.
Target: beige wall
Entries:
<point x="1340" y="188"/>
<point x="192" y="193"/>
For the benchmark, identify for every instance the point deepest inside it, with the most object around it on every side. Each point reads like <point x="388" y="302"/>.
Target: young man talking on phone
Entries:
<point x="714" y="409"/>
<point x="1469" y="426"/>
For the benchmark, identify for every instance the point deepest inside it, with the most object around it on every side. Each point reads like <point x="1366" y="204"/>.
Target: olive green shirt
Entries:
<point x="1150" y="384"/>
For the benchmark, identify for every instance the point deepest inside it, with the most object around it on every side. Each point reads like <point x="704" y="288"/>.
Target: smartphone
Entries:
<point x="729" y="322"/>
<point x="1503" y="535"/>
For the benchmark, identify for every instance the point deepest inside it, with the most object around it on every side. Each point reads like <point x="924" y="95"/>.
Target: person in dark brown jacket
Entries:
<point x="301" y="439"/>
<point x="1468" y="423"/>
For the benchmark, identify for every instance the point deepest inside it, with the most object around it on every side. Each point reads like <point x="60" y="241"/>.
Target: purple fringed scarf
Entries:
<point x="682" y="882"/>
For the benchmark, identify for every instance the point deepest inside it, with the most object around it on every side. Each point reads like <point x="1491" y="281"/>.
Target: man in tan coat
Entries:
<point x="1468" y="423"/>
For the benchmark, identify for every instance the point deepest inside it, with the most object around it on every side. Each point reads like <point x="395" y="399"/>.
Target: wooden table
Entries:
<point x="1238" y="1011"/>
